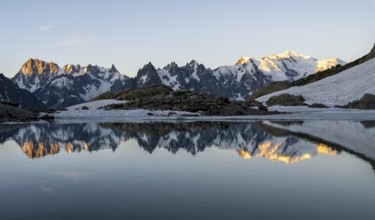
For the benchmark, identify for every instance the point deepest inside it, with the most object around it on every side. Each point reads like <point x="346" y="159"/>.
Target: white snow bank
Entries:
<point x="96" y="104"/>
<point x="349" y="134"/>
<point x="96" y="112"/>
<point x="339" y="89"/>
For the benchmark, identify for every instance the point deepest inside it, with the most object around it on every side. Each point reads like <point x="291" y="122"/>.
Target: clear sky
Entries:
<point x="130" y="33"/>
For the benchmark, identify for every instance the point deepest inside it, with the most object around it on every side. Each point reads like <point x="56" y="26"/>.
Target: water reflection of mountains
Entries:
<point x="248" y="139"/>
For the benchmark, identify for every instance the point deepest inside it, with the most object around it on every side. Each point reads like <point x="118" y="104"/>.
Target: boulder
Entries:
<point x="366" y="102"/>
<point x="317" y="105"/>
<point x="286" y="100"/>
<point x="10" y="113"/>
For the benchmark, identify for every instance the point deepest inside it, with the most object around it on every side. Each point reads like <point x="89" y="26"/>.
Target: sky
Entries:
<point x="131" y="33"/>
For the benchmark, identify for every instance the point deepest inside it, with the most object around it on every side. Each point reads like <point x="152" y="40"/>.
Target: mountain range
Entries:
<point x="58" y="87"/>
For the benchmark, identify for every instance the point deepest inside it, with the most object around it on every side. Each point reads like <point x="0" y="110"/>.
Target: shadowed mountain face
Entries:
<point x="249" y="140"/>
<point x="11" y="92"/>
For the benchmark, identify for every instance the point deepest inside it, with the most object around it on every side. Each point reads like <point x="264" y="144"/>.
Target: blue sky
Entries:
<point x="131" y="33"/>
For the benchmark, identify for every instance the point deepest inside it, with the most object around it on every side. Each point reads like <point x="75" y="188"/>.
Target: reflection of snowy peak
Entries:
<point x="40" y="140"/>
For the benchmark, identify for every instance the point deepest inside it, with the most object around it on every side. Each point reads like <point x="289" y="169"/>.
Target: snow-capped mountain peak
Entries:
<point x="290" y="53"/>
<point x="113" y="69"/>
<point x="290" y="65"/>
<point x="69" y="85"/>
<point x="69" y="69"/>
<point x="74" y="84"/>
<point x="328" y="63"/>
<point x="243" y="60"/>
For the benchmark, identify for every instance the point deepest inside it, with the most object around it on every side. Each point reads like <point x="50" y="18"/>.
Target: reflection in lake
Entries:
<point x="249" y="140"/>
<point x="189" y="170"/>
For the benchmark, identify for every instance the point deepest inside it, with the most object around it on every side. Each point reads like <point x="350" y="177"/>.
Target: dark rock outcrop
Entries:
<point x="160" y="97"/>
<point x="286" y="100"/>
<point x="317" y="105"/>
<point x="274" y="87"/>
<point x="10" y="113"/>
<point x="366" y="102"/>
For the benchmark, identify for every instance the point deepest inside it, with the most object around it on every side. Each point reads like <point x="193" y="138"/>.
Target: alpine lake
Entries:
<point x="188" y="170"/>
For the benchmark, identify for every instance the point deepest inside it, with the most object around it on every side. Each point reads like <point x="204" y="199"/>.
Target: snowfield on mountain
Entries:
<point x="95" y="111"/>
<point x="338" y="89"/>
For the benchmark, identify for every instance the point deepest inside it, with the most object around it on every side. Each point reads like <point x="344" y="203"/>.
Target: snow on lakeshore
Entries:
<point x="94" y="105"/>
<point x="349" y="134"/>
<point x="96" y="112"/>
<point x="338" y="89"/>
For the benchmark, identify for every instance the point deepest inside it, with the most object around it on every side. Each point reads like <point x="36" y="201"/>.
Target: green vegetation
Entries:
<point x="274" y="87"/>
<point x="107" y="95"/>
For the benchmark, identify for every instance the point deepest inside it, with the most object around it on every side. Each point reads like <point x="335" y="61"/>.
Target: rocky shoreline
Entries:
<point x="160" y="97"/>
<point x="366" y="102"/>
<point x="11" y="112"/>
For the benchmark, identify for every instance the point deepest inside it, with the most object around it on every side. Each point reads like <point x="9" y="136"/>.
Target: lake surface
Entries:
<point x="195" y="170"/>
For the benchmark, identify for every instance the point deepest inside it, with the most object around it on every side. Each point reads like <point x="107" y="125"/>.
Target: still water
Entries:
<point x="196" y="170"/>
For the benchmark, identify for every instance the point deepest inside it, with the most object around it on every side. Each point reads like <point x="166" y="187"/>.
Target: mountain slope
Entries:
<point x="11" y="92"/>
<point x="278" y="86"/>
<point x="338" y="89"/>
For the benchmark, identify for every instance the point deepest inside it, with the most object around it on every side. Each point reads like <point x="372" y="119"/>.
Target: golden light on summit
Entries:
<point x="242" y="60"/>
<point x="39" y="66"/>
<point x="267" y="65"/>
<point x="68" y="69"/>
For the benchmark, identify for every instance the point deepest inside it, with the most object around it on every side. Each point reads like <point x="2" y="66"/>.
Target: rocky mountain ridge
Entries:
<point x="58" y="87"/>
